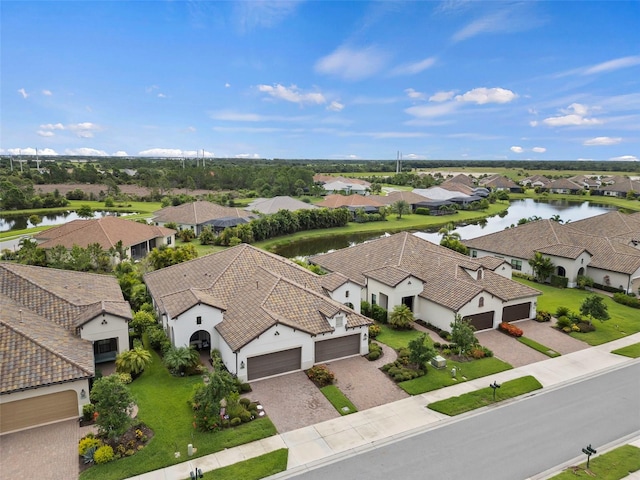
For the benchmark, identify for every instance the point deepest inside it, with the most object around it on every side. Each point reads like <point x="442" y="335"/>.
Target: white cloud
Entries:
<point x="47" y="151"/>
<point x="335" y="106"/>
<point x="513" y="18"/>
<point x="363" y="100"/>
<point x="351" y="64"/>
<point x="161" y="152"/>
<point x="625" y="158"/>
<point x="516" y="149"/>
<point x="84" y="129"/>
<point x="52" y="126"/>
<point x="23" y="92"/>
<point x="47" y="93"/>
<point x="264" y="13"/>
<point x="602" y="141"/>
<point x="442" y="96"/>
<point x="411" y="93"/>
<point x="45" y="133"/>
<point x="162" y="95"/>
<point x="533" y="123"/>
<point x="413" y="68"/>
<point x="247" y="155"/>
<point x="31" y="151"/>
<point x="539" y="149"/>
<point x="574" y="115"/>
<point x="89" y="152"/>
<point x="483" y="95"/>
<point x="615" y="64"/>
<point x="191" y="129"/>
<point x="292" y="94"/>
<point x="232" y="116"/>
<point x="227" y="85"/>
<point x="120" y="153"/>
<point x="423" y="111"/>
<point x="413" y="156"/>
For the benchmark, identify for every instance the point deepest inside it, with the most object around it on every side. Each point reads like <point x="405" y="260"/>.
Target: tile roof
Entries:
<point x="258" y="290"/>
<point x="564" y="184"/>
<point x="443" y="271"/>
<point x="275" y="204"/>
<point x="389" y="275"/>
<point x="461" y="178"/>
<point x="500" y="182"/>
<point x="197" y="213"/>
<point x="106" y="231"/>
<point x="622" y="184"/>
<point x="355" y="200"/>
<point x="410" y="197"/>
<point x="319" y="178"/>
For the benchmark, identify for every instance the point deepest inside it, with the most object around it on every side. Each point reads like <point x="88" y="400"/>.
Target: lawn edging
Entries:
<point x="338" y="399"/>
<point x="549" y="352"/>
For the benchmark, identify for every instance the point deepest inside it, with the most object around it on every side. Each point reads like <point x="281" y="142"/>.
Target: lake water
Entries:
<point x="21" y="222"/>
<point x="568" y="211"/>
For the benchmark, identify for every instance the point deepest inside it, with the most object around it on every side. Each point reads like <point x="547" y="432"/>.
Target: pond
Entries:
<point x="21" y="222"/>
<point x="567" y="211"/>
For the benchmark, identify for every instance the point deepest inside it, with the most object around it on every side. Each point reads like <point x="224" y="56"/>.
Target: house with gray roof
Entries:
<point x="618" y="186"/>
<point x="55" y="325"/>
<point x="563" y="186"/>
<point x="602" y="247"/>
<point x="435" y="282"/>
<point x="267" y="206"/>
<point x="265" y="314"/>
<point x="196" y="215"/>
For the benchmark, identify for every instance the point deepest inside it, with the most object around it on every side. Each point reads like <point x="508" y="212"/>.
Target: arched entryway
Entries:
<point x="200" y="340"/>
<point x="562" y="272"/>
<point x="581" y="271"/>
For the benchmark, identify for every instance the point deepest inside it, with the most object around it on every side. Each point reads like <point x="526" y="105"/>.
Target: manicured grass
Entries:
<point x="632" y="351"/>
<point x="254" y="468"/>
<point x="440" y="378"/>
<point x="201" y="249"/>
<point x="484" y="396"/>
<point x="338" y="399"/>
<point x="612" y="465"/>
<point x="162" y="402"/>
<point x="396" y="339"/>
<point x="538" y="346"/>
<point x="624" y="320"/>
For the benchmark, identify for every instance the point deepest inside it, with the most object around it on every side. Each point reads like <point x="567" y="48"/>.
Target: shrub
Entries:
<point x="375" y="351"/>
<point x="477" y="353"/>
<point x="586" y="327"/>
<point x="87" y="412"/>
<point x="104" y="454"/>
<point x="125" y="378"/>
<point x="559" y="282"/>
<point x="379" y="314"/>
<point x="562" y="312"/>
<point x="542" y="316"/>
<point x="563" y="322"/>
<point x="235" y="421"/>
<point x="245" y="416"/>
<point x="245" y="388"/>
<point x="510" y="329"/>
<point x="88" y="442"/>
<point x="627" y="300"/>
<point x="374" y="331"/>
<point x="244" y="402"/>
<point x="422" y="211"/>
<point x="365" y="308"/>
<point x="321" y="375"/>
<point x="252" y="406"/>
<point x="584" y="282"/>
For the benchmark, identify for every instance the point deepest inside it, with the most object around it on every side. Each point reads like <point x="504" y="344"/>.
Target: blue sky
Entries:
<point x="338" y="80"/>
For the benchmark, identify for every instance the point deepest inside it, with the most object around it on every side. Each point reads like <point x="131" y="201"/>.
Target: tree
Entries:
<point x="85" y="211"/>
<point x="401" y="317"/>
<point x="542" y="266"/>
<point x="178" y="359"/>
<point x="141" y="321"/>
<point x="452" y="240"/>
<point x="35" y="220"/>
<point x="462" y="334"/>
<point x="594" y="307"/>
<point x="207" y="397"/>
<point x="133" y="361"/>
<point x="207" y="236"/>
<point x="421" y="351"/>
<point x="400" y="207"/>
<point x="113" y="403"/>
<point x="30" y="253"/>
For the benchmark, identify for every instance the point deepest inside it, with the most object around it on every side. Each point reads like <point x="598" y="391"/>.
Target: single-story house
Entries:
<point x="501" y="183"/>
<point x="55" y="325"/>
<point x="435" y="282"/>
<point x="345" y="187"/>
<point x="564" y="186"/>
<point x="534" y="181"/>
<point x="267" y="206"/>
<point x="352" y="202"/>
<point x="196" y="215"/>
<point x="413" y="199"/>
<point x="265" y="314"/>
<point x="620" y="187"/>
<point x="588" y="183"/>
<point x="591" y="247"/>
<point x="137" y="239"/>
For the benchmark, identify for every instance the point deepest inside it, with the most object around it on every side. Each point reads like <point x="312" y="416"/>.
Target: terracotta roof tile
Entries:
<point x="197" y="213"/>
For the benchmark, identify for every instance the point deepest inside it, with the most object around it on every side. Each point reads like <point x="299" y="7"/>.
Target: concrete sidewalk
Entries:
<point x="370" y="428"/>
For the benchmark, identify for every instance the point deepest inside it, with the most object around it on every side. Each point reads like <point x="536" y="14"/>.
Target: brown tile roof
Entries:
<point x="355" y="200"/>
<point x="490" y="262"/>
<point x="273" y="205"/>
<point x="461" y="178"/>
<point x="258" y="289"/>
<point x="319" y="178"/>
<point x="500" y="182"/>
<point x="106" y="231"/>
<point x="332" y="281"/>
<point x="197" y="213"/>
<point x="443" y="271"/>
<point x="563" y="183"/>
<point x="390" y="275"/>
<point x="620" y="226"/>
<point x="410" y="197"/>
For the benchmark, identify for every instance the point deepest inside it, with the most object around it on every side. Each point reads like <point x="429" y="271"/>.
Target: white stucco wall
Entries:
<point x="76" y="386"/>
<point x="571" y="266"/>
<point x="434" y="314"/>
<point x="491" y="304"/>
<point x="186" y="324"/>
<point x="348" y="293"/>
<point x="115" y="327"/>
<point x="616" y="280"/>
<point x="410" y="287"/>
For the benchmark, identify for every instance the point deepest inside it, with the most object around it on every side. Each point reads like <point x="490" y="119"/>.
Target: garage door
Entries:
<point x="481" y="321"/>
<point x="274" y="363"/>
<point x="38" y="410"/>
<point x="337" y="348"/>
<point x="516" y="312"/>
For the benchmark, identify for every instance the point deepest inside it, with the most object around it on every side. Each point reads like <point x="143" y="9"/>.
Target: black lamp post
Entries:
<point x="495" y="385"/>
<point x="588" y="451"/>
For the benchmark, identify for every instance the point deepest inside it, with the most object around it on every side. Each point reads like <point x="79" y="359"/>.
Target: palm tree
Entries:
<point x="180" y="358"/>
<point x="399" y="207"/>
<point x="133" y="361"/>
<point x="542" y="266"/>
<point x="401" y="317"/>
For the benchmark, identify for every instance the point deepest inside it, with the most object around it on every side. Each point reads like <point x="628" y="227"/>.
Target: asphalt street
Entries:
<point x="514" y="441"/>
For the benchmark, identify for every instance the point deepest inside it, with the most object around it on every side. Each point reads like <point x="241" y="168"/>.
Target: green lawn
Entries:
<point x="624" y="320"/>
<point x="632" y="351"/>
<point x="440" y="378"/>
<point x="395" y="339"/>
<point x="338" y="399"/>
<point x="254" y="468"/>
<point x="483" y="397"/>
<point x="613" y="465"/>
<point x="162" y="402"/>
<point x="538" y="346"/>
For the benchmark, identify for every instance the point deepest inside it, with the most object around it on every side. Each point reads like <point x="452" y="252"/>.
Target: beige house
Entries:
<point x="434" y="282"/>
<point x="265" y="314"/>
<point x="196" y="215"/>
<point x="55" y="325"/>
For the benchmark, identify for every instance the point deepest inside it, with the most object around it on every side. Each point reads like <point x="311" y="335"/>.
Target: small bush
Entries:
<point x="586" y="327"/>
<point x="542" y="316"/>
<point x="627" y="300"/>
<point x="562" y="312"/>
<point x="235" y="421"/>
<point x="563" y="321"/>
<point x="558" y="282"/>
<point x="245" y="402"/>
<point x="104" y="454"/>
<point x="511" y="329"/>
<point x="379" y="314"/>
<point x="422" y="211"/>
<point x="245" y="416"/>
<point x="374" y="331"/>
<point x="321" y="375"/>
<point x="88" y="442"/>
<point x="375" y="351"/>
<point x="87" y="412"/>
<point x="125" y="377"/>
<point x="252" y="406"/>
<point x="245" y="388"/>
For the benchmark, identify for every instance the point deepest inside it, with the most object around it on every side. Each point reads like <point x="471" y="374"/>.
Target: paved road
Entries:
<point x="512" y="442"/>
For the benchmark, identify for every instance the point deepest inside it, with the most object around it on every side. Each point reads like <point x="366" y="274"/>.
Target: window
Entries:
<point x="374" y="299"/>
<point x="474" y="253"/>
<point x="199" y="320"/>
<point x="562" y="272"/>
<point x="339" y="321"/>
<point x="516" y="264"/>
<point x="168" y="240"/>
<point x="346" y="295"/>
<point x="479" y="274"/>
<point x="481" y="302"/>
